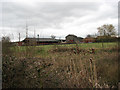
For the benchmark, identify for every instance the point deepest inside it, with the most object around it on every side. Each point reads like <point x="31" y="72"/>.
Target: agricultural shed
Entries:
<point x="40" y="41"/>
<point x="80" y="39"/>
<point x="89" y="40"/>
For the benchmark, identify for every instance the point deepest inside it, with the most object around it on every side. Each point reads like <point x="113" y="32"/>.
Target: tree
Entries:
<point x="5" y="39"/>
<point x="89" y="35"/>
<point x="92" y="35"/>
<point x="53" y="37"/>
<point x="107" y="30"/>
<point x="6" y="44"/>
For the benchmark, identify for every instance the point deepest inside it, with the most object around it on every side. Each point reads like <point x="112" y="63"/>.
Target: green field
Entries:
<point x="82" y="45"/>
<point x="61" y="66"/>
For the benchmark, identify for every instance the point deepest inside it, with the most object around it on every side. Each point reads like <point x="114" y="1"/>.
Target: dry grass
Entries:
<point x="61" y="67"/>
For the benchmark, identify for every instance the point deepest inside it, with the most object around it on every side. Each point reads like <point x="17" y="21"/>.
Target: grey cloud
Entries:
<point x="51" y="14"/>
<point x="44" y="14"/>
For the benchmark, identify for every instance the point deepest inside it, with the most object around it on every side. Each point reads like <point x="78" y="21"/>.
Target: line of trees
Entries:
<point x="106" y="33"/>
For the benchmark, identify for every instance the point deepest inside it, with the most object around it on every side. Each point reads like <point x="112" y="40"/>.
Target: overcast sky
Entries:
<point x="56" y="17"/>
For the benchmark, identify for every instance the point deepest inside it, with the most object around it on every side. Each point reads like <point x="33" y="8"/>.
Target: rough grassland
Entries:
<point x="86" y="65"/>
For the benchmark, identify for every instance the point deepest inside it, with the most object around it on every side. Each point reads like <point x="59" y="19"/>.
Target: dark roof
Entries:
<point x="79" y="37"/>
<point x="89" y="38"/>
<point x="71" y="35"/>
<point x="42" y="39"/>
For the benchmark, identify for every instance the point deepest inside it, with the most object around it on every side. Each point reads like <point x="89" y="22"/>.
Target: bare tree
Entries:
<point x="89" y="35"/>
<point x="92" y="35"/>
<point x="106" y="30"/>
<point x="5" y="39"/>
<point x="53" y="37"/>
<point x="6" y="44"/>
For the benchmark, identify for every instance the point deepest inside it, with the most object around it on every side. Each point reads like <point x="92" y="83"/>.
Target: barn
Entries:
<point x="73" y="39"/>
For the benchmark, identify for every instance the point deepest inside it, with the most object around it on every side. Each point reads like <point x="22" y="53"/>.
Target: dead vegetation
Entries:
<point x="61" y="67"/>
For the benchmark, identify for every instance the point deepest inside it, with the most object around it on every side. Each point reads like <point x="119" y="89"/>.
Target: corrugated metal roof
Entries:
<point x="42" y="39"/>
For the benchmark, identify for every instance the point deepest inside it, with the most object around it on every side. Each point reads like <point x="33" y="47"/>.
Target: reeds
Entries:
<point x="93" y="74"/>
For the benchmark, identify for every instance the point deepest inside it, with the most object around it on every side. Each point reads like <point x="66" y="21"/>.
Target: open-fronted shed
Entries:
<point x="39" y="41"/>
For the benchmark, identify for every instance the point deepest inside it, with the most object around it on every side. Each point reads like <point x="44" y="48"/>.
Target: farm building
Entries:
<point x="18" y="43"/>
<point x="73" y="39"/>
<point x="40" y="41"/>
<point x="89" y="40"/>
<point x="80" y="39"/>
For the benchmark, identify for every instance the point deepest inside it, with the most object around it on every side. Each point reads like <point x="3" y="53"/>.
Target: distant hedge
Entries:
<point x="106" y="39"/>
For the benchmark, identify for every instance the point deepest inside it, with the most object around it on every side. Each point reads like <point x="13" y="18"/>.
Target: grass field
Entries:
<point x="85" y="65"/>
<point x="82" y="45"/>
